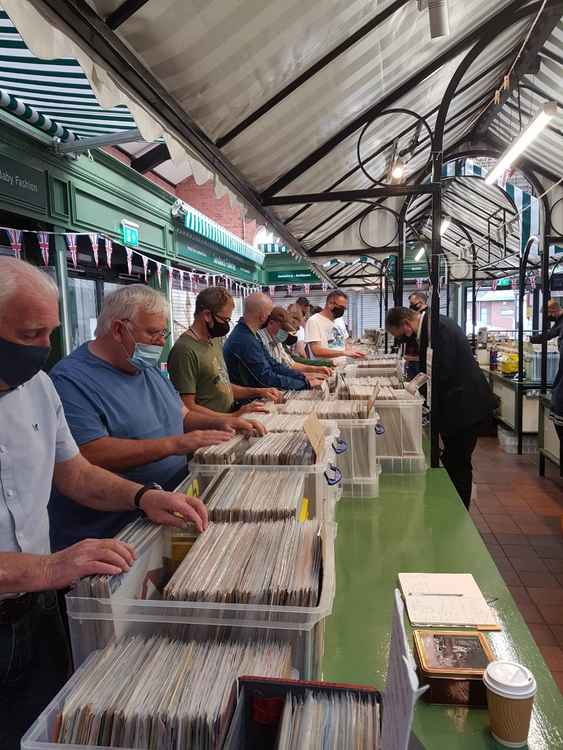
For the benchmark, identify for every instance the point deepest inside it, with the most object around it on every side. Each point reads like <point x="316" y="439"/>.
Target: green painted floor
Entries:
<point x="419" y="524"/>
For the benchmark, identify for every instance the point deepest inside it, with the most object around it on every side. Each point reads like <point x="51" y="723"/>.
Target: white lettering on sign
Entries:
<point x="17" y="181"/>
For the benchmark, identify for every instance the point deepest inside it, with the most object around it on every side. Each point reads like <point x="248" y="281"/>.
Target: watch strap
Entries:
<point x="145" y="488"/>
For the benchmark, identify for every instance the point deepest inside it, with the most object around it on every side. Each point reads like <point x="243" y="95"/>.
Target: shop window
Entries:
<point x="83" y="311"/>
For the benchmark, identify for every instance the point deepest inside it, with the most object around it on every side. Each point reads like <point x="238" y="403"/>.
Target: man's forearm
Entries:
<point x="21" y="572"/>
<point x="121" y="454"/>
<point x="93" y="486"/>
<point x="320" y="351"/>
<point x="203" y="411"/>
<point x="198" y="421"/>
<point x="241" y="392"/>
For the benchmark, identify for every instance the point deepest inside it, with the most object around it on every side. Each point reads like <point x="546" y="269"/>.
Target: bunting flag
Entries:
<point x="16" y="241"/>
<point x="494" y="285"/>
<point x="419" y="283"/>
<point x="43" y="238"/>
<point x="109" y="251"/>
<point x="271" y="290"/>
<point x="94" y="241"/>
<point x="181" y="274"/>
<point x="145" y="265"/>
<point x="289" y="290"/>
<point x="159" y="272"/>
<point x="129" y="253"/>
<point x="307" y="288"/>
<point x="533" y="281"/>
<point x="71" y="244"/>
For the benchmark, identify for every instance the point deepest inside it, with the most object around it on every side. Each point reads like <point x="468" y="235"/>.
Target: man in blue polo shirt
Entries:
<point x="248" y="362"/>
<point x="123" y="414"/>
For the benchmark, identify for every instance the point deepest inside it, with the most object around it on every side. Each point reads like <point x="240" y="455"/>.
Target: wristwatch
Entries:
<point x="141" y="492"/>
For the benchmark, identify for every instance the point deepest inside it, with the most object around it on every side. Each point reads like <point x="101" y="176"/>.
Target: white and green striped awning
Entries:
<point x="206" y="227"/>
<point x="55" y="90"/>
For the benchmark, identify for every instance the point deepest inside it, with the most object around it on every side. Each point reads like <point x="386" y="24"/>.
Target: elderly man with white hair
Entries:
<point x="36" y="448"/>
<point x="124" y="415"/>
<point x="248" y="362"/>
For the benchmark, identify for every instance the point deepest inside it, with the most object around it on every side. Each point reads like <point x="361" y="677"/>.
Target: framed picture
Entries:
<point x="452" y="652"/>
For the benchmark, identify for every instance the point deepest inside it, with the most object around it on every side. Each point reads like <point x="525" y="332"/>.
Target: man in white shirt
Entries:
<point x="323" y="336"/>
<point x="36" y="448"/>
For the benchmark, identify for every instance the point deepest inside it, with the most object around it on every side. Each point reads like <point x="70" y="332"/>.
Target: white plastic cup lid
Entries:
<point x="510" y="680"/>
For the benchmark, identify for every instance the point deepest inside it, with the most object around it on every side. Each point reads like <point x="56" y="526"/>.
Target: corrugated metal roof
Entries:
<point x="222" y="62"/>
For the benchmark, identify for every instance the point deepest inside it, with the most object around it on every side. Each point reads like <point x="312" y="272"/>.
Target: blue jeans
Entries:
<point x="34" y="665"/>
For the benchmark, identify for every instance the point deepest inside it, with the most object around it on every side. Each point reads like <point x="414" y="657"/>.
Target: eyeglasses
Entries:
<point x="153" y="336"/>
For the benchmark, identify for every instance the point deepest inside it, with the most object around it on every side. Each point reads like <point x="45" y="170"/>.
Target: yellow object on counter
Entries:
<point x="509" y="364"/>
<point x="304" y="513"/>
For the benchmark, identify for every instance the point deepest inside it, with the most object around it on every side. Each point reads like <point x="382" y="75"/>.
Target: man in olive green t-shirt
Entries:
<point x="196" y="365"/>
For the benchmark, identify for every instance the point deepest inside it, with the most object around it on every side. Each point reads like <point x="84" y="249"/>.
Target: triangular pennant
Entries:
<point x="70" y="238"/>
<point x="94" y="240"/>
<point x="16" y="241"/>
<point x="181" y="278"/>
<point x="109" y="251"/>
<point x="159" y="272"/>
<point x="145" y="265"/>
<point x="43" y="238"/>
<point x="307" y="288"/>
<point x="271" y="290"/>
<point x="129" y="253"/>
<point x="289" y="290"/>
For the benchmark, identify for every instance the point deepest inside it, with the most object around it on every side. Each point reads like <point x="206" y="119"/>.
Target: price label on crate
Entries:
<point x="315" y="433"/>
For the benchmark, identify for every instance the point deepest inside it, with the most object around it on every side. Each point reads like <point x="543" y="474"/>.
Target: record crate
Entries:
<point x="132" y="604"/>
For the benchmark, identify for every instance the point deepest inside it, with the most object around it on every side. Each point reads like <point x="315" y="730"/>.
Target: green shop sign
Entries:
<point x="22" y="184"/>
<point x="290" y="277"/>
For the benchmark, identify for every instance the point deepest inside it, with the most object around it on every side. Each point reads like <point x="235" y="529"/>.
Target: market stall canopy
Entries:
<point x="269" y="99"/>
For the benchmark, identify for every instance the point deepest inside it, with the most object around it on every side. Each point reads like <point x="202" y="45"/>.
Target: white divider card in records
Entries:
<point x="402" y="689"/>
<point x="315" y="433"/>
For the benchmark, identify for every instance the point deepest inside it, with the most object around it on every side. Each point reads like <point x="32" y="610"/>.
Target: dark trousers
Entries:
<point x="456" y="457"/>
<point x="34" y="665"/>
<point x="559" y="431"/>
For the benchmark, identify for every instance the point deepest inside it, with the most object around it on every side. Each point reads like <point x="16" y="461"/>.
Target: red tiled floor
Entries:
<point x="519" y="516"/>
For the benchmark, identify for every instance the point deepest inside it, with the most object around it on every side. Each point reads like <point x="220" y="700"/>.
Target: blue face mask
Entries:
<point x="144" y="355"/>
<point x="281" y="336"/>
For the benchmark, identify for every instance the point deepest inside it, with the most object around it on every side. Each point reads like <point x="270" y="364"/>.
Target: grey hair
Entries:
<point x="15" y="274"/>
<point x="124" y="303"/>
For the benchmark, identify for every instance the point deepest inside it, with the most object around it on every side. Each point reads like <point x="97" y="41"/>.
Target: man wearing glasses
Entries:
<point x="124" y="415"/>
<point x="197" y="368"/>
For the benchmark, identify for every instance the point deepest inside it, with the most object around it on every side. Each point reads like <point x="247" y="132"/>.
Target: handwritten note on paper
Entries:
<point x="401" y="687"/>
<point x="446" y="599"/>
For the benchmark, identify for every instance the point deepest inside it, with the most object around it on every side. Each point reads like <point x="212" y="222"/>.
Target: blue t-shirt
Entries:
<point x="101" y="401"/>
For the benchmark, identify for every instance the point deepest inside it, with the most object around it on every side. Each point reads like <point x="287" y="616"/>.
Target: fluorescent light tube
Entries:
<point x="546" y="113"/>
<point x="419" y="254"/>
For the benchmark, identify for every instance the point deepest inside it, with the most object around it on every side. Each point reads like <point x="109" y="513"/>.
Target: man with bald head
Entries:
<point x="36" y="448"/>
<point x="248" y="362"/>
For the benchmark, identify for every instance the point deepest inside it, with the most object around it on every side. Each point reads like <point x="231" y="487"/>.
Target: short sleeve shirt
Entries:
<point x="198" y="368"/>
<point x="324" y="331"/>
<point x="34" y="436"/>
<point x="102" y="401"/>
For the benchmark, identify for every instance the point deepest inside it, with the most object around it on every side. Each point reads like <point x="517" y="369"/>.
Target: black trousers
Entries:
<point x="34" y="665"/>
<point x="456" y="457"/>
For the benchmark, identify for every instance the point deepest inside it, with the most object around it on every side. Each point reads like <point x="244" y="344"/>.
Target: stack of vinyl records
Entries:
<point x="252" y="563"/>
<point x="336" y="410"/>
<point x="241" y="495"/>
<point x="378" y="381"/>
<point x="290" y="423"/>
<point x="165" y="694"/>
<point x="352" y="392"/>
<point x="283" y="449"/>
<point x="395" y="394"/>
<point x="329" y="722"/>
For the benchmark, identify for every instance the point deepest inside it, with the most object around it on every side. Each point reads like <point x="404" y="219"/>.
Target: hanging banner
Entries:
<point x="43" y="238"/>
<point x="145" y="266"/>
<point x="109" y="250"/>
<point x="71" y="244"/>
<point x="94" y="241"/>
<point x="16" y="241"/>
<point x="129" y="253"/>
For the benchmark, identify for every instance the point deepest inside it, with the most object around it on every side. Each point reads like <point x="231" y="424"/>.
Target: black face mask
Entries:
<point x="290" y="340"/>
<point x="414" y="306"/>
<point x="19" y="363"/>
<point x="338" y="311"/>
<point x="219" y="328"/>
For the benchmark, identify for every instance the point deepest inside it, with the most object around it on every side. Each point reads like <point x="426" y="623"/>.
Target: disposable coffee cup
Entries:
<point x="511" y="688"/>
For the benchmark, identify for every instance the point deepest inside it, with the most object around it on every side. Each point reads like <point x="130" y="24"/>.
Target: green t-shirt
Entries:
<point x="198" y="368"/>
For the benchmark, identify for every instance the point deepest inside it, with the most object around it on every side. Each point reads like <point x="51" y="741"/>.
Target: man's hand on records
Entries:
<point x="248" y="426"/>
<point x="313" y="381"/>
<point x="253" y="406"/>
<point x="355" y="355"/>
<point x="174" y="509"/>
<point x="270" y="394"/>
<point x="191" y="441"/>
<point x="89" y="557"/>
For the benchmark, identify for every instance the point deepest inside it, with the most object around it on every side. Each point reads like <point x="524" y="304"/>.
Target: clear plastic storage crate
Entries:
<point x="360" y="461"/>
<point x="323" y="480"/>
<point x="402" y="438"/>
<point x="135" y="607"/>
<point x="509" y="442"/>
<point x="362" y="488"/>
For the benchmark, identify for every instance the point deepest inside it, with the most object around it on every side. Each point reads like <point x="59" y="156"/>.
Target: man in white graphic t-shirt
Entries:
<point x="324" y="337"/>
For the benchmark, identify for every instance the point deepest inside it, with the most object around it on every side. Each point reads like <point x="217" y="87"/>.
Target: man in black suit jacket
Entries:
<point x="464" y="397"/>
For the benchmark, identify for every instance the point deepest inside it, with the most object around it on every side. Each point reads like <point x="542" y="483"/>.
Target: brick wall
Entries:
<point x="202" y="198"/>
